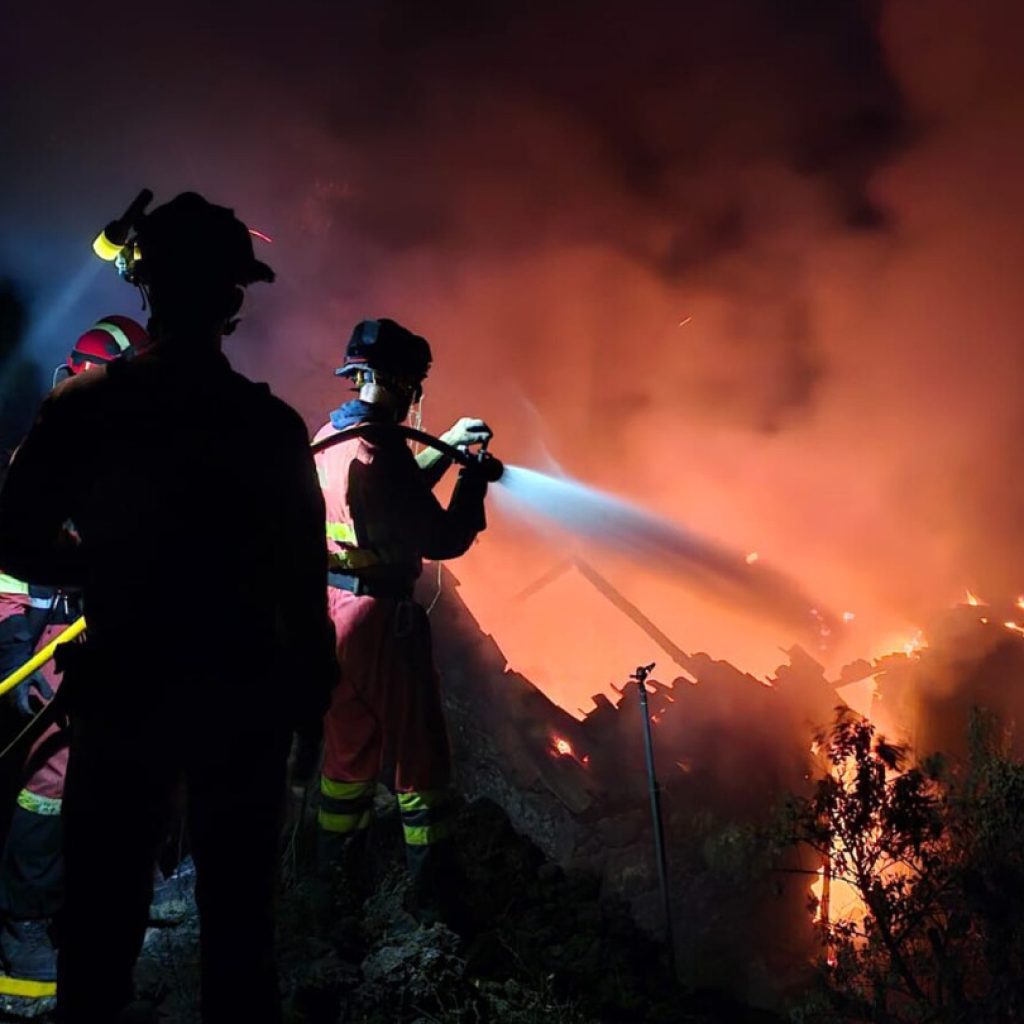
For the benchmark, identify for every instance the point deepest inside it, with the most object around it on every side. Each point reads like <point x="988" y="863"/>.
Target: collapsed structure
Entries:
<point x="729" y="747"/>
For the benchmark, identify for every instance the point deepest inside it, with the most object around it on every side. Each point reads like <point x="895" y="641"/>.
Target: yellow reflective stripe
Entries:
<point x="343" y="533"/>
<point x="26" y="988"/>
<point x="105" y="248"/>
<point x="350" y="559"/>
<point x="422" y="800"/>
<point x="48" y="806"/>
<point x="11" y="585"/>
<point x="424" y="835"/>
<point x="344" y="822"/>
<point x="345" y="790"/>
<point x="120" y="338"/>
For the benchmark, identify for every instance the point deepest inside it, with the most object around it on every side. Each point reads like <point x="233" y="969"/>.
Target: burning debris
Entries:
<point x="728" y="746"/>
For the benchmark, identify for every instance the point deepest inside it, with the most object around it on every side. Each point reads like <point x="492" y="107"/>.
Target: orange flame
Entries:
<point x="561" y="747"/>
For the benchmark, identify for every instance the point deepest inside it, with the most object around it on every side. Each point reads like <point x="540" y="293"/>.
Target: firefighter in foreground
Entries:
<point x="382" y="521"/>
<point x="199" y="548"/>
<point x="32" y="868"/>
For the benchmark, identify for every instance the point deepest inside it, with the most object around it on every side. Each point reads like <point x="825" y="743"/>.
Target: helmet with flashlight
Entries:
<point x="187" y="238"/>
<point x="383" y="351"/>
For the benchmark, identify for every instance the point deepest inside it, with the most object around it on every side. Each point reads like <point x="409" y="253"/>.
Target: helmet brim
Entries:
<point x="350" y="369"/>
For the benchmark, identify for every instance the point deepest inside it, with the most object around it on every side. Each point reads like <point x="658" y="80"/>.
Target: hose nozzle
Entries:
<point x="492" y="468"/>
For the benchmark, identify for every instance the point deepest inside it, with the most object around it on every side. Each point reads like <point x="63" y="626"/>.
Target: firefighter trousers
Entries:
<point x="120" y="790"/>
<point x="386" y="713"/>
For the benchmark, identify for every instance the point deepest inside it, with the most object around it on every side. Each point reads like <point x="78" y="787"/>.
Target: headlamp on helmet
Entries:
<point x="187" y="237"/>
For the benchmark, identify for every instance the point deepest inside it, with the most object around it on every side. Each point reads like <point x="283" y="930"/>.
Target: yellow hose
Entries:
<point x="41" y="657"/>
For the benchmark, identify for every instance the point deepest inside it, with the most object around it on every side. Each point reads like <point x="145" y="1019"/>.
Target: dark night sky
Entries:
<point x="753" y="262"/>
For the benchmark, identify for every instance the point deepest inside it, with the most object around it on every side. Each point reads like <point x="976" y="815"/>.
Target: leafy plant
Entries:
<point x="935" y="855"/>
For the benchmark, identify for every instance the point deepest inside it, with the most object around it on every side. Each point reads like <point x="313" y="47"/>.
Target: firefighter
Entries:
<point x="31" y="868"/>
<point x="199" y="547"/>
<point x="382" y="521"/>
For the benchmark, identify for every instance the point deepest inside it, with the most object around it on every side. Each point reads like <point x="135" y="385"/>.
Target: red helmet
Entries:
<point x="105" y="341"/>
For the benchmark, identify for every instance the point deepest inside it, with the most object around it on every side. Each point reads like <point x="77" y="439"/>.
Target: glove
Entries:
<point x="32" y="695"/>
<point x="467" y="431"/>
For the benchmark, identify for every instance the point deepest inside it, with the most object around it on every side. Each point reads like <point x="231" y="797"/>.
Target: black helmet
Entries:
<point x="389" y="349"/>
<point x="192" y="240"/>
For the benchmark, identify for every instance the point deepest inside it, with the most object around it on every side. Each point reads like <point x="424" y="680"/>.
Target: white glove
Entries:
<point x="467" y="431"/>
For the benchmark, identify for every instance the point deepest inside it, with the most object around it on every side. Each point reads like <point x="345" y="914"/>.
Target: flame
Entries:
<point x="561" y="747"/>
<point x="752" y="558"/>
<point x="838" y="899"/>
<point x="1020" y="602"/>
<point x="900" y="644"/>
<point x="914" y="644"/>
<point x="973" y="600"/>
<point x="1013" y="627"/>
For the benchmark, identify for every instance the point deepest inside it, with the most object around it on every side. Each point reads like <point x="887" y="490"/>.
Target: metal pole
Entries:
<point x="640" y="676"/>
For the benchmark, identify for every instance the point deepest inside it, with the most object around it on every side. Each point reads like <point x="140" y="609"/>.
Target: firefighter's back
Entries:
<point x="177" y="501"/>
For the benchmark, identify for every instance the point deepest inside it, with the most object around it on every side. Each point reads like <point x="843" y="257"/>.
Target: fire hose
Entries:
<point x="42" y="656"/>
<point x="484" y="461"/>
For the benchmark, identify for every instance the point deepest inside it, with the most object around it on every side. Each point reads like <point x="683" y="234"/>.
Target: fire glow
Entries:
<point x="561" y="747"/>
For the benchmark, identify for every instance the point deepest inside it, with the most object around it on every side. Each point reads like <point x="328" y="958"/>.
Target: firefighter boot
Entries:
<point x="438" y="887"/>
<point x="341" y="862"/>
<point x="29" y="958"/>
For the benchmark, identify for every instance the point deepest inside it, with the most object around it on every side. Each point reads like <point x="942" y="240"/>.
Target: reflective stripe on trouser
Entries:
<point x="345" y="807"/>
<point x="48" y="806"/>
<point x="426" y="816"/>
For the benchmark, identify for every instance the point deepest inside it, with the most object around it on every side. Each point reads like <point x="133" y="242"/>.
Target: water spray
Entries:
<point x="621" y="526"/>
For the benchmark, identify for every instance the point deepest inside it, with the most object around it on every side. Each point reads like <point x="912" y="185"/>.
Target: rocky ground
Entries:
<point x="542" y="946"/>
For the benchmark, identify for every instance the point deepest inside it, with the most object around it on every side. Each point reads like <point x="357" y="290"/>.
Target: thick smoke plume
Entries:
<point x="752" y="264"/>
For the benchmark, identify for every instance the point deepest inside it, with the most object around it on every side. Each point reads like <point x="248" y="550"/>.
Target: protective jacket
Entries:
<point x="382" y="518"/>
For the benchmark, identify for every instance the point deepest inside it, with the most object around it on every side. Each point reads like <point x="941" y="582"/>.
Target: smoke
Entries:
<point x="752" y="264"/>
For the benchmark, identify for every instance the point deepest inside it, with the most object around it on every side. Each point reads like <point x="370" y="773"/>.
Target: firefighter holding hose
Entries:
<point x="32" y="867"/>
<point x="382" y="521"/>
